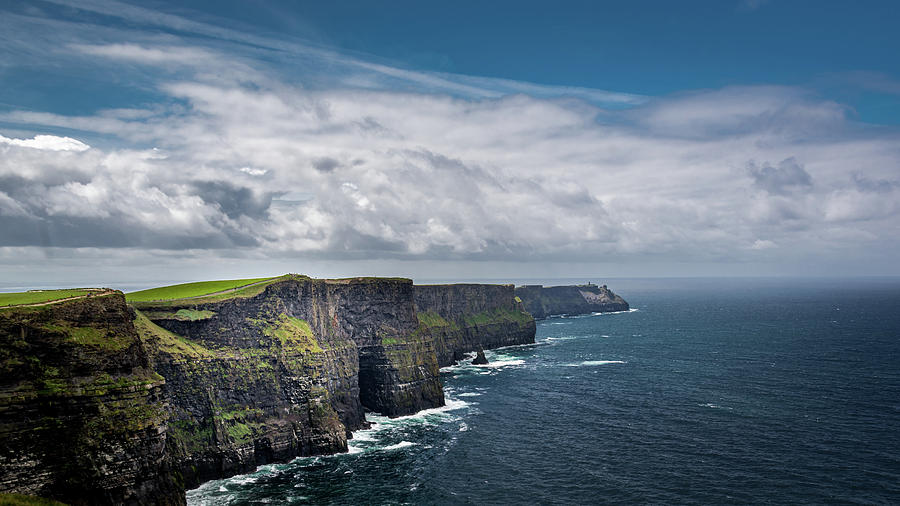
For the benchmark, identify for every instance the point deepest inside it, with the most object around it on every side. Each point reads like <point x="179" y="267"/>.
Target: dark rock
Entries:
<point x="543" y="302"/>
<point x="480" y="359"/>
<point x="465" y="317"/>
<point x="82" y="414"/>
<point x="102" y="403"/>
<point x="288" y="371"/>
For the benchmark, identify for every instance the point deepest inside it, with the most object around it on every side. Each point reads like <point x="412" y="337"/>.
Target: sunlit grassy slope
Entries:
<point x="185" y="290"/>
<point x="38" y="296"/>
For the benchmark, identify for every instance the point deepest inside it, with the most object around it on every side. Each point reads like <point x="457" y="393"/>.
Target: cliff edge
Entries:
<point x="112" y="399"/>
<point x="543" y="302"/>
<point x="463" y="318"/>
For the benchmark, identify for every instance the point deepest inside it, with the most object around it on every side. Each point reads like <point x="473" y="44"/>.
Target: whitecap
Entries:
<point x="602" y="362"/>
<point x="401" y="444"/>
<point x="594" y="362"/>
<point x="713" y="406"/>
<point x="598" y="313"/>
<point x="469" y="394"/>
<point x="502" y="363"/>
<point x="463" y="427"/>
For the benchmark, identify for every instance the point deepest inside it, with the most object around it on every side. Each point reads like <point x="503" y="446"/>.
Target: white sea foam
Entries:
<point x="501" y="363"/>
<point x="469" y="394"/>
<point x="594" y="362"/>
<point x="463" y="427"/>
<point x="243" y="479"/>
<point x="401" y="444"/>
<point x="713" y="406"/>
<point x="561" y="338"/>
<point x="632" y="310"/>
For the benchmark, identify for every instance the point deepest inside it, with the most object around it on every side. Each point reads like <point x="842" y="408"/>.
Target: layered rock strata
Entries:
<point x="543" y="302"/>
<point x="286" y="369"/>
<point x="106" y="403"/>
<point x="82" y="413"/>
<point x="465" y="317"/>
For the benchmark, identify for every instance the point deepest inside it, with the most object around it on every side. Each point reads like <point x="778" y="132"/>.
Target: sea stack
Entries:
<point x="480" y="359"/>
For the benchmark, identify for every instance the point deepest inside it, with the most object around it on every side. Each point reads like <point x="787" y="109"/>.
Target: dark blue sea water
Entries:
<point x="711" y="392"/>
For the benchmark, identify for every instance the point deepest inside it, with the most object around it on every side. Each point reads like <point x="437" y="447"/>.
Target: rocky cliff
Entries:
<point x="107" y="403"/>
<point x="286" y="368"/>
<point x="543" y="302"/>
<point x="465" y="317"/>
<point x="82" y="413"/>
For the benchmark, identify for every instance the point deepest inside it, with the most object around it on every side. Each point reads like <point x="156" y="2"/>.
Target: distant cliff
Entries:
<point x="465" y="317"/>
<point x="108" y="403"/>
<point x="543" y="302"/>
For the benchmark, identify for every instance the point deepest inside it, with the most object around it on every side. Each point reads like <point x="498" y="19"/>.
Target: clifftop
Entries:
<point x="543" y="302"/>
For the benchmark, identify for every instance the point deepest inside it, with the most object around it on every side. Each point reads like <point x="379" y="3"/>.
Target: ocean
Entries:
<point x="710" y="391"/>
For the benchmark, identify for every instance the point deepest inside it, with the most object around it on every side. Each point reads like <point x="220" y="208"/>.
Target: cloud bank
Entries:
<point x="235" y="157"/>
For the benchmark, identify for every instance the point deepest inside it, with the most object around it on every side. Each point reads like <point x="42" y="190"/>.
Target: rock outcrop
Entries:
<point x="543" y="302"/>
<point x="106" y="403"/>
<point x="286" y="369"/>
<point x="82" y="413"/>
<point x="465" y="317"/>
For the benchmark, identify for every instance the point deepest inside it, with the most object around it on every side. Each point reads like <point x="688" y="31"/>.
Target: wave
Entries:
<point x="401" y="444"/>
<point x="596" y="362"/>
<point x="713" y="406"/>
<point x="494" y="364"/>
<point x="631" y="310"/>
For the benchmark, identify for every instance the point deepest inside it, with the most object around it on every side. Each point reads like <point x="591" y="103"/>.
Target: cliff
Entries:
<point x="107" y="403"/>
<point x="543" y="302"/>
<point x="465" y="317"/>
<point x="285" y="368"/>
<point x="82" y="414"/>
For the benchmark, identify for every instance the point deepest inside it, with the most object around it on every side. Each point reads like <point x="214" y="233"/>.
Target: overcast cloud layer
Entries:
<point x="238" y="158"/>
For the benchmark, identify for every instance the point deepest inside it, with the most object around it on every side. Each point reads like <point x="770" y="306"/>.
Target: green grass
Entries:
<point x="168" y="342"/>
<point x="87" y="335"/>
<point x="184" y="315"/>
<point x="38" y="296"/>
<point x="431" y="319"/>
<point x="498" y="315"/>
<point x="185" y="290"/>
<point x="293" y="333"/>
<point x="26" y="500"/>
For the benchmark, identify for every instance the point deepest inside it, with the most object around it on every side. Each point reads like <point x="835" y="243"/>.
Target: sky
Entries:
<point x="178" y="141"/>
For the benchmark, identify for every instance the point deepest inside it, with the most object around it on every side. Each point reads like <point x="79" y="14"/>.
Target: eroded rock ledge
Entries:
<point x="106" y="403"/>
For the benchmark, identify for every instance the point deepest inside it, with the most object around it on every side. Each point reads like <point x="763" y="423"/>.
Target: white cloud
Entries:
<point x="452" y="167"/>
<point x="47" y="142"/>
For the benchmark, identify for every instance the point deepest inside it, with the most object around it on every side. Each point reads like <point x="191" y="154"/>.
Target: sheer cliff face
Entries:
<point x="465" y="317"/>
<point x="398" y="370"/>
<point x="82" y="416"/>
<point x="543" y="302"/>
<point x="287" y="372"/>
<point x="102" y="403"/>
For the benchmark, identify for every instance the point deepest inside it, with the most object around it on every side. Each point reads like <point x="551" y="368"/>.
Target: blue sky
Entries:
<point x="466" y="139"/>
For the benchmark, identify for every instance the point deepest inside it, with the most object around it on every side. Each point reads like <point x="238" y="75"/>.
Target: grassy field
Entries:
<point x="38" y="296"/>
<point x="189" y="290"/>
